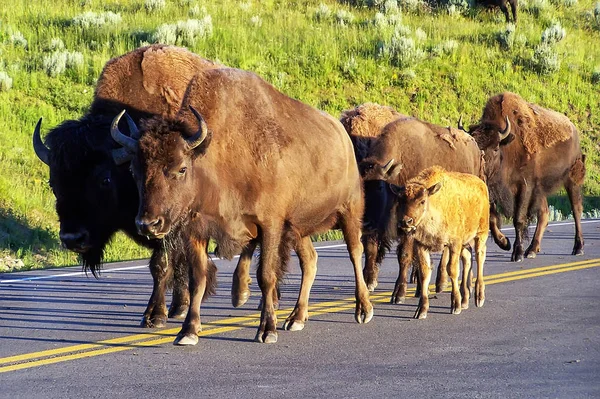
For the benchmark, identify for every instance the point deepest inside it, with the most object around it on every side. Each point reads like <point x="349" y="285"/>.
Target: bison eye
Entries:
<point x="423" y="202"/>
<point x="105" y="181"/>
<point x="182" y="170"/>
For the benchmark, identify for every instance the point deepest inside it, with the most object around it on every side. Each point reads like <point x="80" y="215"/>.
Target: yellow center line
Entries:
<point x="52" y="356"/>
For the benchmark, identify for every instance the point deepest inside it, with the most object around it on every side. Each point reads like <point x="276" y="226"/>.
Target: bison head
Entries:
<point x="413" y="201"/>
<point x="378" y="198"/>
<point x="92" y="193"/>
<point x="162" y="166"/>
<point x="490" y="137"/>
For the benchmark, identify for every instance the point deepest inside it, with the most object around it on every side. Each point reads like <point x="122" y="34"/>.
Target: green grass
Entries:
<point x="322" y="63"/>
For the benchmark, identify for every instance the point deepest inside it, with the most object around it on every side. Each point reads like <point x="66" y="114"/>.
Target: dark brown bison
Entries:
<point x="96" y="198"/>
<point x="404" y="148"/>
<point x="538" y="153"/>
<point x="251" y="163"/>
<point x="503" y="4"/>
<point x="445" y="210"/>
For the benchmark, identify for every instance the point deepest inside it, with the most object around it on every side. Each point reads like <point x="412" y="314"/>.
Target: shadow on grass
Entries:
<point x="17" y="235"/>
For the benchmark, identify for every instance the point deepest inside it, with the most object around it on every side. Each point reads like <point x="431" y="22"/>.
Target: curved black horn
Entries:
<point x="134" y="132"/>
<point x="39" y="147"/>
<point x="386" y="168"/>
<point x="198" y="138"/>
<point x="121" y="156"/>
<point x="460" y="125"/>
<point x="125" y="141"/>
<point x="504" y="133"/>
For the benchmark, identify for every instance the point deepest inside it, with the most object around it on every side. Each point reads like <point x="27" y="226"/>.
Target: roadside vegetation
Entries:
<point x="434" y="61"/>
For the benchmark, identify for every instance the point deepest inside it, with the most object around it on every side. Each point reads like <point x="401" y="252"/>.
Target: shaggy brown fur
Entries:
<point x="151" y="79"/>
<point x="368" y="119"/>
<point x="537" y="127"/>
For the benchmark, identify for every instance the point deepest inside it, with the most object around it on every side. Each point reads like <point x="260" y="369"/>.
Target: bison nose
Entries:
<point x="77" y="241"/>
<point x="149" y="227"/>
<point x="406" y="221"/>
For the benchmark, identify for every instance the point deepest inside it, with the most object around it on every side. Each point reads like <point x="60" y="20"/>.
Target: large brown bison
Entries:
<point x="432" y="210"/>
<point x="531" y="152"/>
<point x="404" y="148"/>
<point x="251" y="163"/>
<point x="96" y="198"/>
<point x="503" y="4"/>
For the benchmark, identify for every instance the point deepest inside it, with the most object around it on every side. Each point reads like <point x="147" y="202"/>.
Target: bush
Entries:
<point x="18" y="40"/>
<point x="184" y="33"/>
<point x="154" y="5"/>
<point x="91" y="19"/>
<point x="5" y="81"/>
<point x="402" y="51"/>
<point x="56" y="44"/>
<point x="412" y="5"/>
<point x="596" y="76"/>
<point x="344" y="17"/>
<point x="445" y="48"/>
<point x="506" y="38"/>
<point x="59" y="61"/>
<point x="256" y="21"/>
<point x="553" y="34"/>
<point x="545" y="60"/>
<point x="534" y="7"/>
<point x="322" y="13"/>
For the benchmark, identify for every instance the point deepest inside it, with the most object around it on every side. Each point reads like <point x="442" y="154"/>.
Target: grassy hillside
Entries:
<point x="431" y="62"/>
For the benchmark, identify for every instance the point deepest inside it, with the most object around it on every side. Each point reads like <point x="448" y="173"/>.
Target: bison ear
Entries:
<point x="435" y="188"/>
<point x="508" y="139"/>
<point x="398" y="191"/>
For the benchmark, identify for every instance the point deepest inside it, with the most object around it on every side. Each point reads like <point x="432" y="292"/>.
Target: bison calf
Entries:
<point x="442" y="209"/>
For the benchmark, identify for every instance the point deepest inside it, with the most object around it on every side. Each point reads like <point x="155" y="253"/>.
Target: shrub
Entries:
<point x="412" y="5"/>
<point x="350" y="67"/>
<point x="447" y="47"/>
<point x="74" y="59"/>
<point x="246" y="5"/>
<point x="55" y="63"/>
<point x="256" y="21"/>
<point x="56" y="44"/>
<point x="534" y="7"/>
<point x="457" y="7"/>
<point x="154" y="5"/>
<point x="545" y="60"/>
<point x="344" y="17"/>
<point x="553" y="34"/>
<point x="506" y="37"/>
<point x="184" y="32"/>
<point x="91" y="19"/>
<point x="420" y="35"/>
<point x="596" y="76"/>
<point x="194" y="11"/>
<point x="402" y="51"/>
<point x="5" y="81"/>
<point x="322" y="13"/>
<point x="18" y="40"/>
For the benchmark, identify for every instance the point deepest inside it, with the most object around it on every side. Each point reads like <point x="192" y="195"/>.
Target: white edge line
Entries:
<point x="120" y="269"/>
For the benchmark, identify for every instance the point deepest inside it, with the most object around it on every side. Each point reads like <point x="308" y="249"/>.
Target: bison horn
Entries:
<point x="460" y="125"/>
<point x="126" y="141"/>
<point x="40" y="148"/>
<point x="134" y="132"/>
<point x="386" y="168"/>
<point x="198" y="138"/>
<point x="121" y="156"/>
<point x="504" y="133"/>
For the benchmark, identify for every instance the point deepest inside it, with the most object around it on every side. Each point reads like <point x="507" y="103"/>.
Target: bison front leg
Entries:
<point x="198" y="277"/>
<point x="155" y="315"/>
<point x="441" y="280"/>
<point x="542" y="223"/>
<point x="266" y="274"/>
<point x="308" y="264"/>
<point x="456" y="297"/>
<point x="520" y="222"/>
<point x="495" y="223"/>
<point x="424" y="262"/>
<point x="371" y="270"/>
<point x="574" y="193"/>
<point x="480" y="253"/>
<point x="181" y="294"/>
<point x="240" y="287"/>
<point x="405" y="257"/>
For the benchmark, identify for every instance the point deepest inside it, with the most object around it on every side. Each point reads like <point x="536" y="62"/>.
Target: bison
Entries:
<point x="531" y="152"/>
<point x="95" y="198"/>
<point x="439" y="210"/>
<point x="404" y="148"/>
<point x="247" y="162"/>
<point x="503" y="4"/>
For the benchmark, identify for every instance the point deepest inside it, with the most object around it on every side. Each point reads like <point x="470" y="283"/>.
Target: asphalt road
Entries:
<point x="65" y="335"/>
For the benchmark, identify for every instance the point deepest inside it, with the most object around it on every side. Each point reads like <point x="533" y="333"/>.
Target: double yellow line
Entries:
<point x="52" y="356"/>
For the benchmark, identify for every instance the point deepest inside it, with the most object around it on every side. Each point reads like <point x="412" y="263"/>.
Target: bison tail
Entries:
<point x="577" y="172"/>
<point x="211" y="279"/>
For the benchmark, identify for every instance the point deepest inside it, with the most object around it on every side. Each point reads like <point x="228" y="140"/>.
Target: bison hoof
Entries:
<point x="420" y="313"/>
<point x="362" y="316"/>
<point x="439" y="288"/>
<point x="154" y="322"/>
<point x="186" y="339"/>
<point x="577" y="251"/>
<point x="516" y="257"/>
<point x="456" y="310"/>
<point x="372" y="285"/>
<point x="479" y="302"/>
<point x="464" y="305"/>
<point x="267" y="337"/>
<point x="239" y="298"/>
<point x="504" y="243"/>
<point x="397" y="299"/>
<point x="293" y="325"/>
<point x="178" y="312"/>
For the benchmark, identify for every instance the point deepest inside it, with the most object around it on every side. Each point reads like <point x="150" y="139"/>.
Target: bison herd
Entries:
<point x="177" y="150"/>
